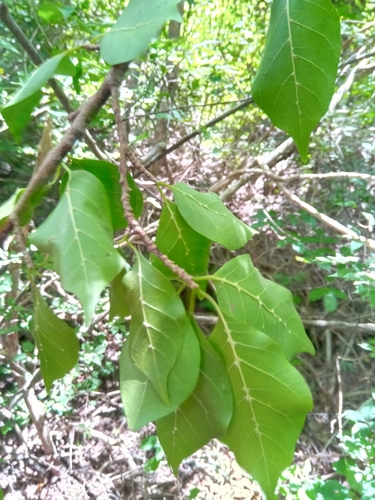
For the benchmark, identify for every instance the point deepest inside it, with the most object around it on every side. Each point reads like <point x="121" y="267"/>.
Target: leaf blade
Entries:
<point x="141" y="401"/>
<point x="243" y="293"/>
<point x="205" y="414"/>
<point x="18" y="111"/>
<point x="57" y="343"/>
<point x="271" y="400"/>
<point x="208" y="216"/>
<point x="109" y="176"/>
<point x="138" y="24"/>
<point x="158" y="325"/>
<point x="296" y="77"/>
<point x="184" y="246"/>
<point x="79" y="231"/>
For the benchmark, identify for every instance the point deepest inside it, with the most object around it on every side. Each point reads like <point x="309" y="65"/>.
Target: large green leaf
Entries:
<point x="204" y="415"/>
<point x="138" y="24"/>
<point x="296" y="78"/>
<point x="158" y="325"/>
<point x="109" y="176"/>
<point x="57" y="343"/>
<point x="271" y="400"/>
<point x="176" y="239"/>
<point x="17" y="113"/>
<point x="142" y="403"/>
<point x="208" y="216"/>
<point x="244" y="294"/>
<point x="78" y="235"/>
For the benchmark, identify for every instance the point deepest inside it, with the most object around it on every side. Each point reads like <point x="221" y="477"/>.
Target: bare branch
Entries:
<point x="196" y="132"/>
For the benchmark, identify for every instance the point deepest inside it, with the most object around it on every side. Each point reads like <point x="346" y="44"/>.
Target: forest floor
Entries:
<point x="98" y="457"/>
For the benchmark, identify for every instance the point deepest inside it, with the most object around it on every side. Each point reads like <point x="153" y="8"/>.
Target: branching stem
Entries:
<point x="127" y="155"/>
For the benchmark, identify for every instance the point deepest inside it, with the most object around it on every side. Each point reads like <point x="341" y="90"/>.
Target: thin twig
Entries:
<point x="125" y="155"/>
<point x="341" y="399"/>
<point x="198" y="131"/>
<point x="178" y="108"/>
<point x="211" y="319"/>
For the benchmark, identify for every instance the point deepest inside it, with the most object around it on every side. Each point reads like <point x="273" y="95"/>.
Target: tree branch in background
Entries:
<point x="73" y="134"/>
<point x="369" y="243"/>
<point x="198" y="131"/>
<point x="285" y="149"/>
<point x="34" y="55"/>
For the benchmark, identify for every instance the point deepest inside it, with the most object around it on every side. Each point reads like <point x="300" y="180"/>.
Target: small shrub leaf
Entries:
<point x="117" y="298"/>
<point x="296" y="77"/>
<point x="17" y="113"/>
<point x="138" y="24"/>
<point x="109" y="176"/>
<point x="158" y="325"/>
<point x="78" y="236"/>
<point x="176" y="239"/>
<point x="141" y="401"/>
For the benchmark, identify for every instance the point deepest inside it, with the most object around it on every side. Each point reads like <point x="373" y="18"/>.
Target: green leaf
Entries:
<point x="117" y="298"/>
<point x="330" y="302"/>
<point x="204" y="415"/>
<point x="244" y="294"/>
<point x="158" y="325"/>
<point x="78" y="236"/>
<point x="176" y="239"/>
<point x="27" y="211"/>
<point x="271" y="400"/>
<point x="138" y="24"/>
<point x="296" y="78"/>
<point x="208" y="216"/>
<point x="50" y="13"/>
<point x="7" y="207"/>
<point x="109" y="176"/>
<point x="17" y="113"/>
<point x="57" y="343"/>
<point x="141" y="402"/>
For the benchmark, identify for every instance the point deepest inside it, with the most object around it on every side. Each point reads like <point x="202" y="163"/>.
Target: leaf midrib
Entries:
<point x="76" y="232"/>
<point x="237" y="364"/>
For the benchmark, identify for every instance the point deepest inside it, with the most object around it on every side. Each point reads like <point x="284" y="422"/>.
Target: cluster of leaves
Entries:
<point x="239" y="384"/>
<point x="240" y="378"/>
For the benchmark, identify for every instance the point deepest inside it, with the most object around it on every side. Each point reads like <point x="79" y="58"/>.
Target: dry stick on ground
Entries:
<point x="283" y="151"/>
<point x="13" y="27"/>
<point x="125" y="155"/>
<point x="369" y="243"/>
<point x="210" y="319"/>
